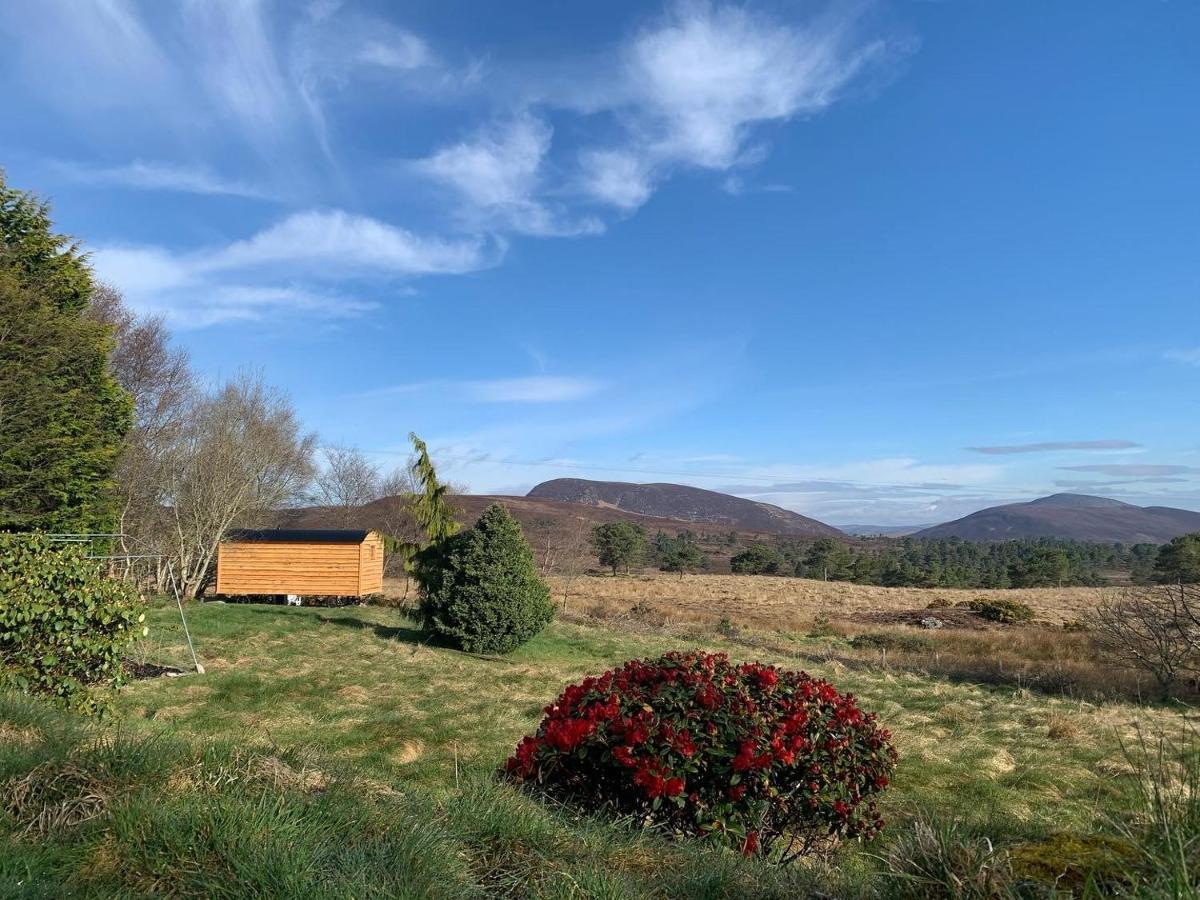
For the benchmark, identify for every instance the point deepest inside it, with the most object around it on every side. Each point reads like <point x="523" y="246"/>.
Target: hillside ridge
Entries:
<point x="684" y="503"/>
<point x="1080" y="517"/>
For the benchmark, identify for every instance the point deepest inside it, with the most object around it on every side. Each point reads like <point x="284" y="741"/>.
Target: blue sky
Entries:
<point x="876" y="262"/>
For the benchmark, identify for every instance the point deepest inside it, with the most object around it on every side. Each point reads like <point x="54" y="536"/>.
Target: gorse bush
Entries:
<point x="64" y="626"/>
<point x="1009" y="612"/>
<point x="480" y="588"/>
<point x="749" y="755"/>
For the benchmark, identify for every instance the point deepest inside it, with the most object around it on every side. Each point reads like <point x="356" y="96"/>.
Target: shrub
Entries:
<point x="939" y="603"/>
<point x="749" y="755"/>
<point x="64" y="626"/>
<point x="758" y="559"/>
<point x="480" y="588"/>
<point x="1009" y="612"/>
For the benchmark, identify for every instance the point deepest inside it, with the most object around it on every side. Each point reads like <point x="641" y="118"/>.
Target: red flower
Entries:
<point x="750" y="845"/>
<point x="678" y="727"/>
<point x="767" y="678"/>
<point x="624" y="755"/>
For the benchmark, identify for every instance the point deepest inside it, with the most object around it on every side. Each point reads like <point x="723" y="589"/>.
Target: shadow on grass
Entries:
<point x="401" y="633"/>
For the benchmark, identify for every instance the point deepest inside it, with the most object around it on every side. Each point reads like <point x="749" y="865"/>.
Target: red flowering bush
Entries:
<point x="752" y="755"/>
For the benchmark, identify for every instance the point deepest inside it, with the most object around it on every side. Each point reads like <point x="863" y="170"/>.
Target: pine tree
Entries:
<point x="484" y="594"/>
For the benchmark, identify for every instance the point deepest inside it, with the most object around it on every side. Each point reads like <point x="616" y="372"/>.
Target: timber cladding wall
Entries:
<point x="302" y="562"/>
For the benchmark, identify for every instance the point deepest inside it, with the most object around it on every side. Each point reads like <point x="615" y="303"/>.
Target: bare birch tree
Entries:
<point x="160" y="380"/>
<point x="241" y="457"/>
<point x="347" y="483"/>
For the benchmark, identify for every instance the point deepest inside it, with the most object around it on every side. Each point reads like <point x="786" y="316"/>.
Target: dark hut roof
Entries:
<point x="298" y="535"/>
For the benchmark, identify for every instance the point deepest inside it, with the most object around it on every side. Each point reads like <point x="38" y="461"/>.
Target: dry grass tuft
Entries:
<point x="409" y="751"/>
<point x="955" y="715"/>
<point x="12" y="736"/>
<point x="269" y="771"/>
<point x="354" y="693"/>
<point x="1062" y="727"/>
<point x="53" y="797"/>
<point x="274" y="772"/>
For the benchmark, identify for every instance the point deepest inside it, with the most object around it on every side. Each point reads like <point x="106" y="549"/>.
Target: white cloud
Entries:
<point x="534" y="389"/>
<point x="237" y="62"/>
<point x="398" y="49"/>
<point x="693" y="86"/>
<point x="337" y="243"/>
<point x="530" y="389"/>
<point x="164" y="176"/>
<point x="617" y="177"/>
<point x="242" y="279"/>
<point x="496" y="168"/>
<point x="498" y="174"/>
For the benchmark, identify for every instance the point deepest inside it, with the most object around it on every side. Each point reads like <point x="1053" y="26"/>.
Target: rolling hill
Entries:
<point x="1078" y="517"/>
<point x="683" y="503"/>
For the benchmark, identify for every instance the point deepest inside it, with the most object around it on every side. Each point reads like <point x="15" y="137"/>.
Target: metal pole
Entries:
<point x="182" y="618"/>
<point x="80" y="537"/>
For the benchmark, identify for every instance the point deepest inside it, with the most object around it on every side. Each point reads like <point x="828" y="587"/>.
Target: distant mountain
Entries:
<point x="684" y="503"/>
<point x="1075" y="516"/>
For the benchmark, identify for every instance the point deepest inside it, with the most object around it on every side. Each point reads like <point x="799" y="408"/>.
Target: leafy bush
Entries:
<point x="1010" y="612"/>
<point x="64" y="626"/>
<point x="749" y="755"/>
<point x="480" y="588"/>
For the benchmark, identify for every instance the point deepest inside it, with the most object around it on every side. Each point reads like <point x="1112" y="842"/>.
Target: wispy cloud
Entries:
<point x="1129" y="470"/>
<point x="161" y="176"/>
<point x="1190" y="357"/>
<point x="241" y="279"/>
<point x="692" y="87"/>
<point x="1107" y="486"/>
<point x="1047" y="446"/>
<point x="497" y="173"/>
<point x="688" y="91"/>
<point x="529" y="389"/>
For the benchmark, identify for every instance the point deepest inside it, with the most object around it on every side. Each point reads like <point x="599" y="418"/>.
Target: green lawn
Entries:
<point x="335" y="753"/>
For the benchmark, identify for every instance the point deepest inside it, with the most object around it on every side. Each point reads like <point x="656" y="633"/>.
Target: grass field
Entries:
<point x="764" y="601"/>
<point x="334" y="753"/>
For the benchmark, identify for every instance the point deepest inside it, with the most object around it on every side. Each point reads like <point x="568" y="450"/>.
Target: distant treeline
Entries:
<point x="908" y="562"/>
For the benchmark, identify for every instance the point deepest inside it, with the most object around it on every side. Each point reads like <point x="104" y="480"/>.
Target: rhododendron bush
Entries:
<point x="752" y="755"/>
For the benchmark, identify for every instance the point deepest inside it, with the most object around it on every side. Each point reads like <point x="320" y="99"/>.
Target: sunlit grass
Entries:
<point x="367" y="755"/>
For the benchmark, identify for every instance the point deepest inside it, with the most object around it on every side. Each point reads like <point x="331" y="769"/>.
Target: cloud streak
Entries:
<point x="1133" y="470"/>
<point x="1050" y="446"/>
<point x="161" y="176"/>
<point x="531" y="389"/>
<point x="241" y="279"/>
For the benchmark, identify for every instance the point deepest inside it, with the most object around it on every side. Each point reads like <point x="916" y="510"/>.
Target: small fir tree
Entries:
<point x="481" y="589"/>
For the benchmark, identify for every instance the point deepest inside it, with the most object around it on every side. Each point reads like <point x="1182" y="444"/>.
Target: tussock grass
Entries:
<point x="336" y="753"/>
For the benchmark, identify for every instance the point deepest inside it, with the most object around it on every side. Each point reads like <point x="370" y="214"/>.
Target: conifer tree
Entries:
<point x="484" y="594"/>
<point x="63" y="418"/>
